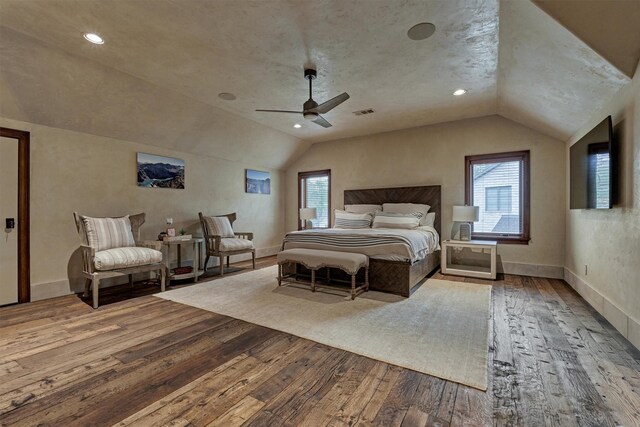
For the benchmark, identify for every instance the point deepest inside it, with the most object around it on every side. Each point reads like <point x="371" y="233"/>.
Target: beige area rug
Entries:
<point x="441" y="330"/>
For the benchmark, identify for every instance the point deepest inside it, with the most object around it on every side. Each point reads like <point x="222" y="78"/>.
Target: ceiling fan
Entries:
<point x="310" y="109"/>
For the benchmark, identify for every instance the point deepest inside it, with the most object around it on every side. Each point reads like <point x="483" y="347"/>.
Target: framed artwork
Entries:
<point x="160" y="172"/>
<point x="257" y="182"/>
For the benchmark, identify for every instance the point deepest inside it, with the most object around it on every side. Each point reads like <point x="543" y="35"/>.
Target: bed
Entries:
<point x="399" y="259"/>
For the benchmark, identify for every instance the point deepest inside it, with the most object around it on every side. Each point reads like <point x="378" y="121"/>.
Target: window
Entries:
<point x="499" y="185"/>
<point x="314" y="191"/>
<point x="498" y="199"/>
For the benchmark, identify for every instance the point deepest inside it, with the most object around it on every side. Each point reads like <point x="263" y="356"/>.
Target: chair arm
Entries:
<point x="244" y="235"/>
<point x="213" y="241"/>
<point x="88" y="253"/>
<point x="151" y="244"/>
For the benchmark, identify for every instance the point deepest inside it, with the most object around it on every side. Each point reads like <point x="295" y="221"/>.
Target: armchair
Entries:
<point x="109" y="249"/>
<point x="221" y="241"/>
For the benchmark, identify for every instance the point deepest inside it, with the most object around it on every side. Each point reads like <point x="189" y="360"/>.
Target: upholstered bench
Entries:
<point x="315" y="259"/>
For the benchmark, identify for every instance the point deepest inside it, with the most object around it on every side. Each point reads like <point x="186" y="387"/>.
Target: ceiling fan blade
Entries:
<point x="325" y="107"/>
<point x="281" y="111"/>
<point x="322" y="122"/>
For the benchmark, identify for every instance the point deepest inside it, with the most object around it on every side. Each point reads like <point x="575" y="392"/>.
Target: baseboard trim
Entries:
<point x="260" y="253"/>
<point x="625" y="324"/>
<point x="40" y="291"/>
<point x="265" y="252"/>
<point x="534" y="270"/>
<point x="59" y="288"/>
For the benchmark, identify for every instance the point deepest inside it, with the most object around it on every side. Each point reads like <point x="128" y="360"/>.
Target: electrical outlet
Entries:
<point x="586" y="270"/>
<point x="169" y="221"/>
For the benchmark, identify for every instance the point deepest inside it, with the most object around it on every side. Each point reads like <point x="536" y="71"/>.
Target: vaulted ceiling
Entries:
<point x="164" y="62"/>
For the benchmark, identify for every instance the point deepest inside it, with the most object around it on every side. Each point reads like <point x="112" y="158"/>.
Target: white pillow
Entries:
<point x="109" y="233"/>
<point x="407" y="208"/>
<point x="429" y="219"/>
<point x="219" y="226"/>
<point x="345" y="219"/>
<point x="397" y="220"/>
<point x="363" y="208"/>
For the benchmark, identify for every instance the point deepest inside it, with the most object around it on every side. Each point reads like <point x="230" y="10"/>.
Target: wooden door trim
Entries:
<point x="24" y="272"/>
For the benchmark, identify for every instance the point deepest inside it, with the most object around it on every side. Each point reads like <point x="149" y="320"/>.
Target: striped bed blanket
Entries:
<point x="378" y="243"/>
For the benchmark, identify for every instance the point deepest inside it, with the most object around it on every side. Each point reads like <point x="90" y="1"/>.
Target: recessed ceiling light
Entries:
<point x="94" y="38"/>
<point x="297" y="126"/>
<point x="421" y="31"/>
<point x="459" y="92"/>
<point x="227" y="96"/>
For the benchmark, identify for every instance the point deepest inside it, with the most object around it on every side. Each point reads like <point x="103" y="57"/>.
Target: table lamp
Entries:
<point x="466" y="215"/>
<point x="306" y="215"/>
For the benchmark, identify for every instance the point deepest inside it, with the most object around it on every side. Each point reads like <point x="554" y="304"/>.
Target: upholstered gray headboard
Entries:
<point x="427" y="194"/>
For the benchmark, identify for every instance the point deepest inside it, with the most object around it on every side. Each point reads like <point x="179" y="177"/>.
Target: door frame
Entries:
<point x="24" y="271"/>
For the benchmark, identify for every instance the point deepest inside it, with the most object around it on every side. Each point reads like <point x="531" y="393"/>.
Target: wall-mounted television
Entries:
<point x="593" y="179"/>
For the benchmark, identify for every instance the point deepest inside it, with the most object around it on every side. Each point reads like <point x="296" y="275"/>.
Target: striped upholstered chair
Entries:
<point x="111" y="247"/>
<point x="221" y="241"/>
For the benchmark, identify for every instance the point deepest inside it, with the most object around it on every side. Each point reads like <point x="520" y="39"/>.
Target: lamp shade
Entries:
<point x="308" y="213"/>
<point x="466" y="213"/>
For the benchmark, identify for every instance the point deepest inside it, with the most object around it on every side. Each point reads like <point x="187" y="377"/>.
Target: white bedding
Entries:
<point x="380" y="243"/>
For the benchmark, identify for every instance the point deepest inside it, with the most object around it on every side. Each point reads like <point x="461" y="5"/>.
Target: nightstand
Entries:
<point x="472" y="268"/>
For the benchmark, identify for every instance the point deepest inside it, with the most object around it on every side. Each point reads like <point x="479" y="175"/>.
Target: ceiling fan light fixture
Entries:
<point x="93" y="38"/>
<point x="311" y="110"/>
<point x="459" y="92"/>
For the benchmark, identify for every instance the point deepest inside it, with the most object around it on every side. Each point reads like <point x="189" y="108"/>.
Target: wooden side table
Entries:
<point x="469" y="270"/>
<point x="196" y="242"/>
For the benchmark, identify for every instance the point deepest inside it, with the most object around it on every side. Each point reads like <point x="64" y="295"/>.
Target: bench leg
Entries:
<point x="366" y="279"/>
<point x="279" y="274"/>
<point x="353" y="286"/>
<point x="313" y="280"/>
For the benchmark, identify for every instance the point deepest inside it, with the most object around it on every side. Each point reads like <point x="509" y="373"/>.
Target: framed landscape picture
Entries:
<point x="258" y="182"/>
<point x="160" y="172"/>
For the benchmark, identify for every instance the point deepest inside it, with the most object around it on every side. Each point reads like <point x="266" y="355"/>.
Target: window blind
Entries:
<point x="315" y="194"/>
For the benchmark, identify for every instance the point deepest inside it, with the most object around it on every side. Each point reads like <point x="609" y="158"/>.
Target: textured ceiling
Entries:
<point x="610" y="27"/>
<point x="548" y="79"/>
<point x="157" y="77"/>
<point x="52" y="87"/>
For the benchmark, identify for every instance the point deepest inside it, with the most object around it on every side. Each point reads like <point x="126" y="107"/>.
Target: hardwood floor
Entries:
<point x="146" y="361"/>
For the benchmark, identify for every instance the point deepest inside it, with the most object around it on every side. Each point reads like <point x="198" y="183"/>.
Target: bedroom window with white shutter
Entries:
<point x="499" y="185"/>
<point x="314" y="191"/>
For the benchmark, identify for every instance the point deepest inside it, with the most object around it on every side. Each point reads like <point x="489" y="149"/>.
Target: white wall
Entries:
<point x="608" y="241"/>
<point x="96" y="176"/>
<point x="435" y="155"/>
